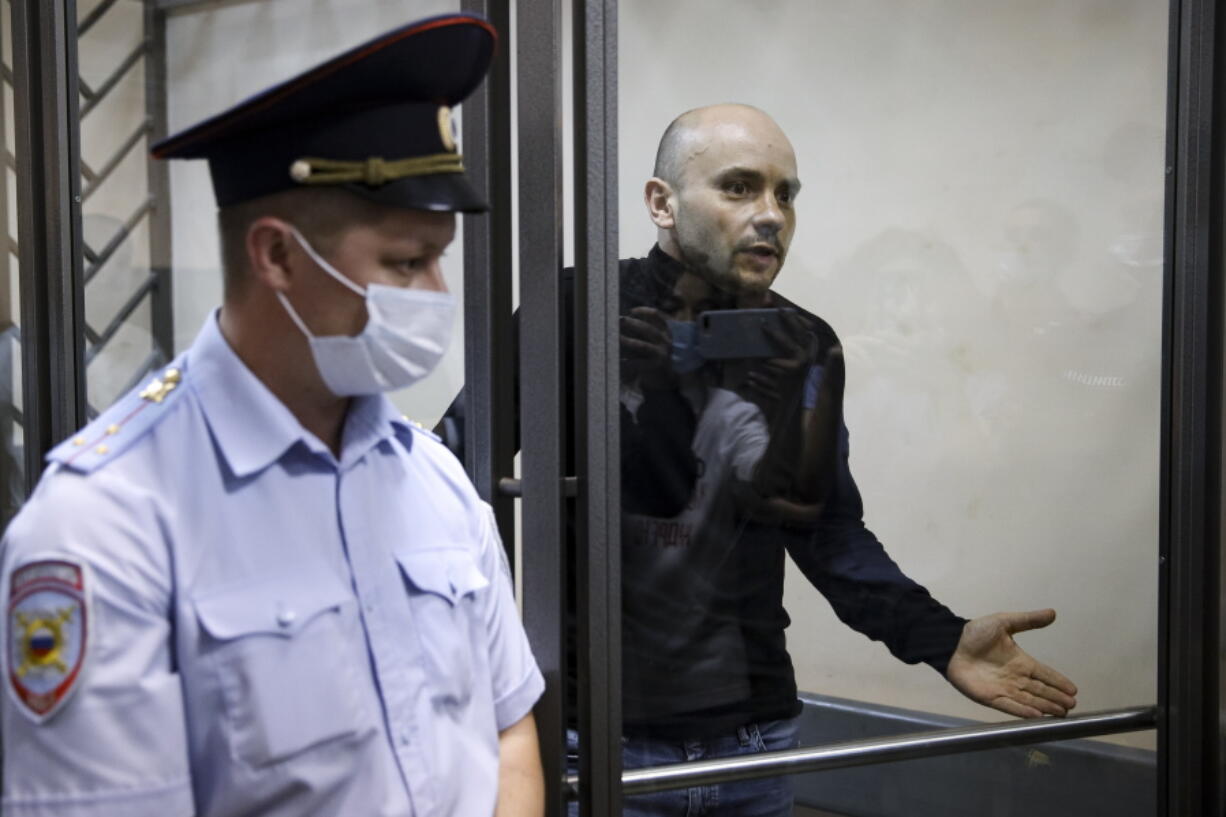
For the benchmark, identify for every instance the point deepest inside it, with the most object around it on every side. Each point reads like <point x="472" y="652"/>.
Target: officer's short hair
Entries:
<point x="322" y="215"/>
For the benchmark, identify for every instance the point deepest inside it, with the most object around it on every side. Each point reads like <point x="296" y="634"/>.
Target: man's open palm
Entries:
<point x="990" y="668"/>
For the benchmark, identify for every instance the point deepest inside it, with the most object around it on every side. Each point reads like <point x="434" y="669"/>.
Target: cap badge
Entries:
<point x="446" y="129"/>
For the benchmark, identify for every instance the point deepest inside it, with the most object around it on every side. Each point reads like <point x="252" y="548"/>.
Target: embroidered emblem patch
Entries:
<point x="48" y="628"/>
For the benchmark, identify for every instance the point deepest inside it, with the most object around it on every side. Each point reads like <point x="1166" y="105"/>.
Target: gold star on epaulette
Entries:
<point x="157" y="390"/>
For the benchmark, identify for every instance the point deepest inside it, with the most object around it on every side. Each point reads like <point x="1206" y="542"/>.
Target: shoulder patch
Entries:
<point x="117" y="428"/>
<point x="47" y="634"/>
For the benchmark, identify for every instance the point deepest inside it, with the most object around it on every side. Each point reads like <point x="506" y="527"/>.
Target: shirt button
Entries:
<point x="404" y="738"/>
<point x="286" y="617"/>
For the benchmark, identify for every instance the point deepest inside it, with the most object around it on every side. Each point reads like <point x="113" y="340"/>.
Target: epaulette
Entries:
<point x="121" y="425"/>
<point x="421" y="429"/>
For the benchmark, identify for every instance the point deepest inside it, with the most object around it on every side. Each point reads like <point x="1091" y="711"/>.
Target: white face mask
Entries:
<point x="407" y="331"/>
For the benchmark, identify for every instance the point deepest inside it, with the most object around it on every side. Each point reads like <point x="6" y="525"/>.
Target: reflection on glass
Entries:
<point x="12" y="465"/>
<point x="122" y="218"/>
<point x="997" y="301"/>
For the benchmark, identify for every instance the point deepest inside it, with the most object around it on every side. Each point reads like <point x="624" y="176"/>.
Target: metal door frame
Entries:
<point x="1191" y="581"/>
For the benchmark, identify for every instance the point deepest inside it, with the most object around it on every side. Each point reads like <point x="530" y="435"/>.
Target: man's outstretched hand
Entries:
<point x="990" y="668"/>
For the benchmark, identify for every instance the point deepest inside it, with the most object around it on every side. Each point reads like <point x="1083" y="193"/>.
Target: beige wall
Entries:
<point x="982" y="223"/>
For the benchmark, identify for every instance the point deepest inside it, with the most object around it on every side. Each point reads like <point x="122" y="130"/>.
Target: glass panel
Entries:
<point x="120" y="210"/>
<point x="12" y="449"/>
<point x="981" y="225"/>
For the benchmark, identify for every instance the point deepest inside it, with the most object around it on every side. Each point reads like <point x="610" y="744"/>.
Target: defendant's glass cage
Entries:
<point x="89" y="311"/>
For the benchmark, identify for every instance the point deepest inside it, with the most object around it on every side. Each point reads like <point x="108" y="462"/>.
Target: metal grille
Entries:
<point x="124" y="204"/>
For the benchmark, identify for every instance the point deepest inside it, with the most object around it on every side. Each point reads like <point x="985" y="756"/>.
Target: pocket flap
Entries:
<point x="279" y="606"/>
<point x="450" y="573"/>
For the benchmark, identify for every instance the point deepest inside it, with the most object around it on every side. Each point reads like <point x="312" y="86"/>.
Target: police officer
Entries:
<point x="251" y="587"/>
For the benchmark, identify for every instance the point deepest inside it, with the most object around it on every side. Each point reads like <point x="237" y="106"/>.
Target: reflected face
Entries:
<point x="402" y="249"/>
<point x="691" y="296"/>
<point x="734" y="203"/>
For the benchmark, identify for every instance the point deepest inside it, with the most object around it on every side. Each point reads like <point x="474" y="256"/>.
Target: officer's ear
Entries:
<point x="661" y="203"/>
<point x="269" y="243"/>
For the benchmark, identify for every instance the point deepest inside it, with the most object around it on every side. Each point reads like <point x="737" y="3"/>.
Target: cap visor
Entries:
<point x="447" y="192"/>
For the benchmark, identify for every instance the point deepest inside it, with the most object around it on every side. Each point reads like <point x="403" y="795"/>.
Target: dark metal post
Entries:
<point x="597" y="362"/>
<point x="161" y="256"/>
<point x="489" y="363"/>
<point x="48" y="186"/>
<point x="543" y="417"/>
<point x="1189" y="687"/>
<point x="12" y="480"/>
<point x="6" y="305"/>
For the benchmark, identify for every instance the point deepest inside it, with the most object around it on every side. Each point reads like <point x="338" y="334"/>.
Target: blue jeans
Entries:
<point x="767" y="797"/>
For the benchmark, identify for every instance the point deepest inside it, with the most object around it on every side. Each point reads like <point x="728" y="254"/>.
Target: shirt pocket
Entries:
<point x="284" y="669"/>
<point x="443" y="586"/>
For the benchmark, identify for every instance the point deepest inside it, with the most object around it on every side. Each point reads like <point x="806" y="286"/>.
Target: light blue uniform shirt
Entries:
<point x="271" y="631"/>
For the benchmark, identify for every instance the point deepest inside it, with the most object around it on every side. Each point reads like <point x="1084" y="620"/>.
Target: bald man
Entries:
<point x="733" y="456"/>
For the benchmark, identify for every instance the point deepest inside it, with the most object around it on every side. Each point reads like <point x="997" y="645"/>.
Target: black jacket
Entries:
<point x="668" y="671"/>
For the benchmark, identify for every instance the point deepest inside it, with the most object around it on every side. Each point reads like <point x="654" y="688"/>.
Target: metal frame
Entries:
<point x="542" y="366"/>
<point x="489" y="361"/>
<point x="597" y="416"/>
<point x="49" y="224"/>
<point x="150" y="54"/>
<point x="12" y="471"/>
<point x="161" y="255"/>
<point x="1085" y="776"/>
<point x="1191" y="574"/>
<point x="883" y="750"/>
<point x="188" y="5"/>
<point x="52" y="279"/>
<point x="1190" y="735"/>
<point x="53" y="255"/>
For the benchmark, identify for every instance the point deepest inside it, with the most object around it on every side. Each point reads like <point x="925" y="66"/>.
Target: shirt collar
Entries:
<point x="664" y="264"/>
<point x="372" y="418"/>
<point x="252" y="427"/>
<point x="652" y="282"/>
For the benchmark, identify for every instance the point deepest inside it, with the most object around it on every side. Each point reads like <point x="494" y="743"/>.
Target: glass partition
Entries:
<point x="937" y="227"/>
<point x="970" y="209"/>
<point x="124" y="204"/>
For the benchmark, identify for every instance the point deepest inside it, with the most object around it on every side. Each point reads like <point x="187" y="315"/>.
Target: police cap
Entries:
<point x="375" y="120"/>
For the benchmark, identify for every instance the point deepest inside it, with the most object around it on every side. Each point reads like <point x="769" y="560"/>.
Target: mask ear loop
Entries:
<point x="293" y="314"/>
<point x="324" y="265"/>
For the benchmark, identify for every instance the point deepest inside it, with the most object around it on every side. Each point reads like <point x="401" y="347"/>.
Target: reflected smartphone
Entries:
<point x="725" y="334"/>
